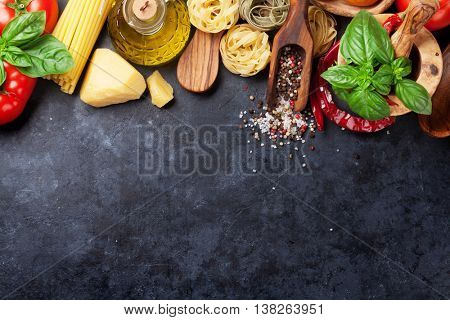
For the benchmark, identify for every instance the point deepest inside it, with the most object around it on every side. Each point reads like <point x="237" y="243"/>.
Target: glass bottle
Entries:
<point x="149" y="32"/>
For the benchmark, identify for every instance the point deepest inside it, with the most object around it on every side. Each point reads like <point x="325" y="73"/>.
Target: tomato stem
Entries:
<point x="19" y="6"/>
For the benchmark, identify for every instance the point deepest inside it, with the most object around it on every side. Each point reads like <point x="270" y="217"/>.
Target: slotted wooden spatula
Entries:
<point x="199" y="65"/>
<point x="295" y="31"/>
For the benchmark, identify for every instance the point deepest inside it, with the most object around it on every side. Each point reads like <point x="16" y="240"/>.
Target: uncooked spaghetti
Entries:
<point x="78" y="28"/>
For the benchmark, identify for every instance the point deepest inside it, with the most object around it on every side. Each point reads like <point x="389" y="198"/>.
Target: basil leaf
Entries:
<point x="414" y="96"/>
<point x="342" y="94"/>
<point x="48" y="56"/>
<point x="355" y="44"/>
<point x="16" y="57"/>
<point x="368" y="104"/>
<point x="2" y="73"/>
<point x="401" y="68"/>
<point x="24" y="28"/>
<point x="365" y="73"/>
<point x="382" y="80"/>
<point x="380" y="42"/>
<point x="341" y="76"/>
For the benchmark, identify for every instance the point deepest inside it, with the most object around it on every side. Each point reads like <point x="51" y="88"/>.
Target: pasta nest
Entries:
<point x="213" y="16"/>
<point x="323" y="29"/>
<point x="264" y="15"/>
<point x="245" y="51"/>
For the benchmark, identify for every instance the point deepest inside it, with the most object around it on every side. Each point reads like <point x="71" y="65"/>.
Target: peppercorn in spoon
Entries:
<point x="296" y="34"/>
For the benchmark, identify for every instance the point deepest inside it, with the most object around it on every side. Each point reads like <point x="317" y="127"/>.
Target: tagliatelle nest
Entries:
<point x="245" y="51"/>
<point x="213" y="16"/>
<point x="323" y="29"/>
<point x="264" y="15"/>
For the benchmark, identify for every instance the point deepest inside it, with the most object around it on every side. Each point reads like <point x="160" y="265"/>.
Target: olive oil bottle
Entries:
<point x="149" y="32"/>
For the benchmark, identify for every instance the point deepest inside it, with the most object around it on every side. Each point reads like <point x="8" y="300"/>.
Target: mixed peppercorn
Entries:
<point x="280" y="122"/>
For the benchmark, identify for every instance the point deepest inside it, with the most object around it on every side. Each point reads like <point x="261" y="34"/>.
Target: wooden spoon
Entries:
<point x="438" y="123"/>
<point x="415" y="16"/>
<point x="295" y="31"/>
<point x="199" y="64"/>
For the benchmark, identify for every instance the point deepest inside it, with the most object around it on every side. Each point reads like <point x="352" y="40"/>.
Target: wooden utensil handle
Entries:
<point x="297" y="6"/>
<point x="294" y="15"/>
<point x="416" y="15"/>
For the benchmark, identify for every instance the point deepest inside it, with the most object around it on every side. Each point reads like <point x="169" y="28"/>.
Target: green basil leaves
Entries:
<point x="16" y="57"/>
<point x="344" y="77"/>
<point x="382" y="80"/>
<point x="355" y="47"/>
<point x="366" y="42"/>
<point x="2" y="73"/>
<point x="342" y="94"/>
<point x="34" y="55"/>
<point x="379" y="41"/>
<point x="24" y="28"/>
<point x="48" y="56"/>
<point x="372" y="70"/>
<point x="401" y="67"/>
<point x="368" y="104"/>
<point x="414" y="96"/>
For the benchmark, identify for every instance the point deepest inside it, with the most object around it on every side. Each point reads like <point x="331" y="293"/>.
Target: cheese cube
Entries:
<point x="160" y="90"/>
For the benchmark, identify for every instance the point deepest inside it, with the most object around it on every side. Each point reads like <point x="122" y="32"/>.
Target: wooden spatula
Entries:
<point x="295" y="31"/>
<point x="199" y="65"/>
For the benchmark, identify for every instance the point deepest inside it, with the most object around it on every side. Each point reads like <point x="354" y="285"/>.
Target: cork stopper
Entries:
<point x="144" y="10"/>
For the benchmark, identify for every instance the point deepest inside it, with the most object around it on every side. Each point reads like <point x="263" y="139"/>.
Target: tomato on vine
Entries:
<point x="11" y="8"/>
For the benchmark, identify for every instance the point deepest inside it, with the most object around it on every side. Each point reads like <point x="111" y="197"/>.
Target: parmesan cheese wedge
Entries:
<point x="110" y="79"/>
<point x="160" y="90"/>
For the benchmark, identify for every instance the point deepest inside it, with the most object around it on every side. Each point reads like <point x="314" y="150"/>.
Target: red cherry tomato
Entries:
<point x="439" y="20"/>
<point x="16" y="91"/>
<point x="9" y="8"/>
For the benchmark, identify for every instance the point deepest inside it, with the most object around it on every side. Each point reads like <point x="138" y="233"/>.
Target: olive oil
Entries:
<point x="149" y="32"/>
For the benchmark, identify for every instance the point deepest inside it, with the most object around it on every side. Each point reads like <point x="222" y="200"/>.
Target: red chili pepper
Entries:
<point x="324" y="100"/>
<point x="16" y="90"/>
<point x="392" y="23"/>
<point x="317" y="111"/>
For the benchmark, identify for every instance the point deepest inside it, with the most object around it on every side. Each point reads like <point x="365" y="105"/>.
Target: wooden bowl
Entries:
<point x="430" y="65"/>
<point x="342" y="8"/>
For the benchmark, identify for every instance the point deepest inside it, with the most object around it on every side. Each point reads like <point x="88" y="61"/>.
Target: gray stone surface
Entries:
<point x="77" y="220"/>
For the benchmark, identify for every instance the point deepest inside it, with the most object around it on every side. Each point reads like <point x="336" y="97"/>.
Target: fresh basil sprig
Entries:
<point x="372" y="70"/>
<point x="401" y="67"/>
<point x="22" y="45"/>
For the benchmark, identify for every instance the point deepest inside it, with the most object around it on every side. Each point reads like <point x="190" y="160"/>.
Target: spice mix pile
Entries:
<point x="280" y="122"/>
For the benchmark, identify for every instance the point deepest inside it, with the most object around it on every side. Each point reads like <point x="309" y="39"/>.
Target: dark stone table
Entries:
<point x="135" y="202"/>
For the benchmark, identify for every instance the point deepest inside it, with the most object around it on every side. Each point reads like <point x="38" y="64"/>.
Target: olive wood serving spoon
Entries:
<point x="295" y="31"/>
<point x="199" y="64"/>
